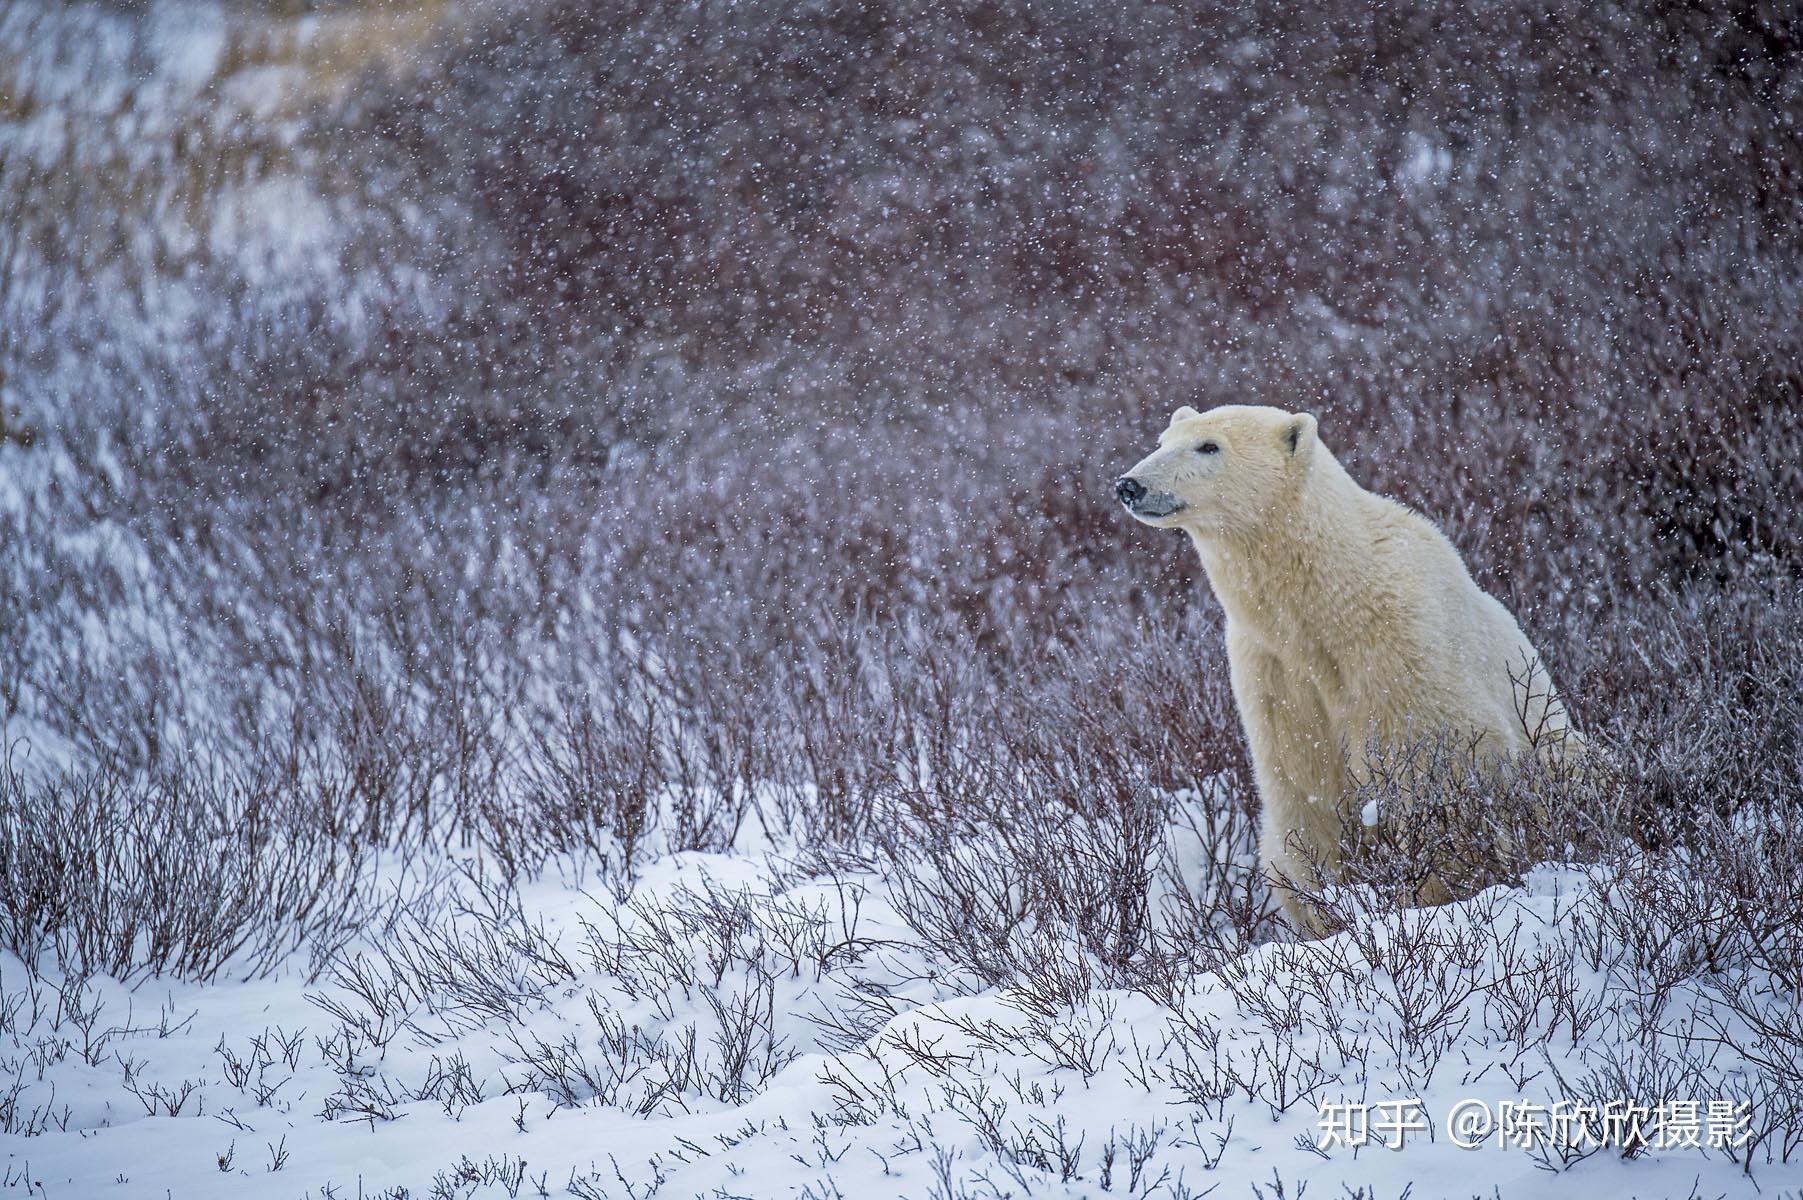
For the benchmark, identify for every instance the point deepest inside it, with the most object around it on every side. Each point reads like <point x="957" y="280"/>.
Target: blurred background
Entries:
<point x="468" y="422"/>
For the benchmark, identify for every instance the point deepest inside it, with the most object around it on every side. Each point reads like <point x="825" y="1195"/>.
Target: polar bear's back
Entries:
<point x="1448" y="656"/>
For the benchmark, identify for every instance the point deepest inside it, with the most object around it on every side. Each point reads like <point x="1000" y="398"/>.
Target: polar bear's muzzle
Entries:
<point x="1143" y="503"/>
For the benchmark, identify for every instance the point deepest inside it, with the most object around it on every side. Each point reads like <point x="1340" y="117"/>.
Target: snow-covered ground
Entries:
<point x="740" y="1025"/>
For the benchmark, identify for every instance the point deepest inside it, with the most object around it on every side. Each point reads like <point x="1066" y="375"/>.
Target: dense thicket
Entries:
<point x="645" y="418"/>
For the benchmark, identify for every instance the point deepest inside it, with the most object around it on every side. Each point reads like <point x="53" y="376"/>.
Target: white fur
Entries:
<point x="1349" y="619"/>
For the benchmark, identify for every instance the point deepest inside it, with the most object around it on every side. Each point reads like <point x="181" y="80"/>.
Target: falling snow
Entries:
<point x="564" y="629"/>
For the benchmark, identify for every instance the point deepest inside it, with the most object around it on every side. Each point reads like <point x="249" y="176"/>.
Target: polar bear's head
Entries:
<point x="1222" y="471"/>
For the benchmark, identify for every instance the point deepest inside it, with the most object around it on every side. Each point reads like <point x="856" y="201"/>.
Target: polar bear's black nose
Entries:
<point x="1129" y="489"/>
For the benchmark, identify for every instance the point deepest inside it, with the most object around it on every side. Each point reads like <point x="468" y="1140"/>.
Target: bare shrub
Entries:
<point x="177" y="874"/>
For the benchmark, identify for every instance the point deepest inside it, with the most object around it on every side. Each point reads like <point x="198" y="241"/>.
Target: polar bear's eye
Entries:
<point x="1208" y="448"/>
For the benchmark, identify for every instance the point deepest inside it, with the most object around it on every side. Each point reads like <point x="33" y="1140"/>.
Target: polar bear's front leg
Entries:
<point x="1297" y="765"/>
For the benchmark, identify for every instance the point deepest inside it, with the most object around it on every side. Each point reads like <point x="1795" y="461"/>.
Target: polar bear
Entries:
<point x="1352" y="623"/>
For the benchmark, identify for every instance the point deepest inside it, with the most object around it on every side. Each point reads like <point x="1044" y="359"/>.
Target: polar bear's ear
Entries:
<point x="1299" y="435"/>
<point x="1184" y="414"/>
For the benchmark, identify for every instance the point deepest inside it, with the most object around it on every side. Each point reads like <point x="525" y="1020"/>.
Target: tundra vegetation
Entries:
<point x="561" y="440"/>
